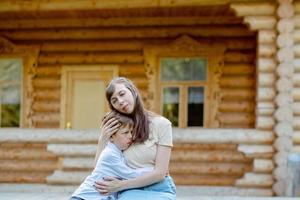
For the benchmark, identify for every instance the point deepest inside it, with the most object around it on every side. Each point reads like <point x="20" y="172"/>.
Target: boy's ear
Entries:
<point x="111" y="138"/>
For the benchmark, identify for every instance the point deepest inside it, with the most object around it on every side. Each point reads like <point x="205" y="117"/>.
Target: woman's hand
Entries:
<point x="108" y="185"/>
<point x="108" y="127"/>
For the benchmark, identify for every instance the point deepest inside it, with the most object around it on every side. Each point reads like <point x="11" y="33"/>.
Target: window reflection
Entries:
<point x="171" y="104"/>
<point x="183" y="69"/>
<point x="10" y="92"/>
<point x="195" y="106"/>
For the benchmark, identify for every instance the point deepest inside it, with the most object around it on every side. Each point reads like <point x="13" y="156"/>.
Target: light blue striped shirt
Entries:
<point x="110" y="163"/>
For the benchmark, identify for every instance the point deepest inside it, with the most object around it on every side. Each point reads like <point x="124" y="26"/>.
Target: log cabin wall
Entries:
<point x="120" y="41"/>
<point x="296" y="78"/>
<point x="94" y="41"/>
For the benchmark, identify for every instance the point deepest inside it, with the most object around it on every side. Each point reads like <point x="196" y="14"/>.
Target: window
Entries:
<point x="183" y="84"/>
<point x="10" y="92"/>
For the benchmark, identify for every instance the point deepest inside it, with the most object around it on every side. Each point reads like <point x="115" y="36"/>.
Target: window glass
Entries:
<point x="171" y="104"/>
<point x="195" y="106"/>
<point x="183" y="69"/>
<point x="10" y="92"/>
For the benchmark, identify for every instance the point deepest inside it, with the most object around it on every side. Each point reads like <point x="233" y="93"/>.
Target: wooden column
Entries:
<point x="284" y="85"/>
<point x="261" y="17"/>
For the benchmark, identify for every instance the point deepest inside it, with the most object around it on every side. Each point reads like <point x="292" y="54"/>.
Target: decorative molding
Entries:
<point x="184" y="46"/>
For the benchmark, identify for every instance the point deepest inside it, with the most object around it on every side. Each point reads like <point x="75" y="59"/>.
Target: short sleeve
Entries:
<point x="164" y="131"/>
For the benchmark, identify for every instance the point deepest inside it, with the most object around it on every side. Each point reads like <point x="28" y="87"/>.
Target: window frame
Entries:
<point x="183" y="96"/>
<point x="28" y="54"/>
<point x="186" y="46"/>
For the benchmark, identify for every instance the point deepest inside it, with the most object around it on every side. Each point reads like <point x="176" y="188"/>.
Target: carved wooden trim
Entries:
<point x="29" y="55"/>
<point x="185" y="46"/>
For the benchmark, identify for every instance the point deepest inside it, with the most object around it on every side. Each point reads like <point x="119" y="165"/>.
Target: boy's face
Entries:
<point x="123" y="137"/>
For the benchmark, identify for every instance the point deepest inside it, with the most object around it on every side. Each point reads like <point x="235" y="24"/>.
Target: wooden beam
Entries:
<point x="109" y="22"/>
<point x="51" y="5"/>
<point x="133" y="32"/>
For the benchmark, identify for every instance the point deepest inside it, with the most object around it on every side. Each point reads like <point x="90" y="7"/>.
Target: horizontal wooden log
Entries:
<point x="296" y="137"/>
<point x="211" y="168"/>
<point x="296" y="79"/>
<point x="238" y="69"/>
<point x="25" y="154"/>
<point x="283" y="143"/>
<point x="281" y="158"/>
<point x="46" y="124"/>
<point x="112" y="33"/>
<point x="71" y="150"/>
<point x="237" y="82"/>
<point x="28" y="165"/>
<point x="265" y="122"/>
<point x="132" y="70"/>
<point x="83" y="58"/>
<point x="254" y="8"/>
<point x="265" y="108"/>
<point x="23" y="177"/>
<point x="137" y="44"/>
<point x="260" y="22"/>
<point x="267" y="36"/>
<point x="236" y="93"/>
<point x="236" y="106"/>
<point x="237" y="57"/>
<point x="297" y="20"/>
<point x="255" y="180"/>
<point x="47" y="94"/>
<point x="266" y="79"/>
<point x="296" y="123"/>
<point x="266" y="65"/>
<point x="263" y="166"/>
<point x="78" y="163"/>
<point x="182" y="155"/>
<point x="44" y="117"/>
<point x="9" y="6"/>
<point x="209" y="137"/>
<point x="250" y="150"/>
<point x="296" y="63"/>
<point x="265" y="94"/>
<point x="48" y="70"/>
<point x="266" y="50"/>
<point x="296" y="36"/>
<point x="46" y="83"/>
<point x="203" y="147"/>
<point x="46" y="106"/>
<point x="116" y="21"/>
<point x="296" y="94"/>
<point x="236" y="118"/>
<point x="209" y="180"/>
<point x="67" y="177"/>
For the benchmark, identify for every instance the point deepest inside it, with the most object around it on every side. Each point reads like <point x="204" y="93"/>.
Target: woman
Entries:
<point x="152" y="143"/>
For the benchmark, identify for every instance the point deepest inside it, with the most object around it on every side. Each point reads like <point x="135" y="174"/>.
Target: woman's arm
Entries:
<point x="107" y="129"/>
<point x="158" y="174"/>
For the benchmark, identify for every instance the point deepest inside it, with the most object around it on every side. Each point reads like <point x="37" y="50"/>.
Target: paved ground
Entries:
<point x="46" y="192"/>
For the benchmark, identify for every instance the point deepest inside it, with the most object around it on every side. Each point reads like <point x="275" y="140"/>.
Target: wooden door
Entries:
<point x="83" y="95"/>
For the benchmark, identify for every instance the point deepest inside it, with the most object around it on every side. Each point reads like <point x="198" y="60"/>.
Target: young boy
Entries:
<point x="111" y="162"/>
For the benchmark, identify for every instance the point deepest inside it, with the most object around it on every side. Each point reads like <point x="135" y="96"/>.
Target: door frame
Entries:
<point x="65" y="76"/>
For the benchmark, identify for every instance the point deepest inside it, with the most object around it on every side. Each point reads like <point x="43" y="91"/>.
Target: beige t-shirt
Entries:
<point x="144" y="154"/>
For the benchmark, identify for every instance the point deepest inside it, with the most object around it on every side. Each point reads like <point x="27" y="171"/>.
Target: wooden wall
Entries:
<point x="120" y="42"/>
<point x="296" y="79"/>
<point x="123" y="45"/>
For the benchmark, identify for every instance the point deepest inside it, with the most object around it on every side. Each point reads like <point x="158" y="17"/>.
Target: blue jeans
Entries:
<point x="164" y="190"/>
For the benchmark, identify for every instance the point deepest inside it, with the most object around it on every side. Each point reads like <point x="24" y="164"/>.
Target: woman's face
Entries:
<point x="122" y="99"/>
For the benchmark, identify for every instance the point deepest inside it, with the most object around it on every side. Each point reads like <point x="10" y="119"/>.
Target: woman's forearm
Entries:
<point x="144" y="180"/>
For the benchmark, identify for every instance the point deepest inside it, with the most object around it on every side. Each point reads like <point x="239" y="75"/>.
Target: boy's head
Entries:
<point x="123" y="137"/>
